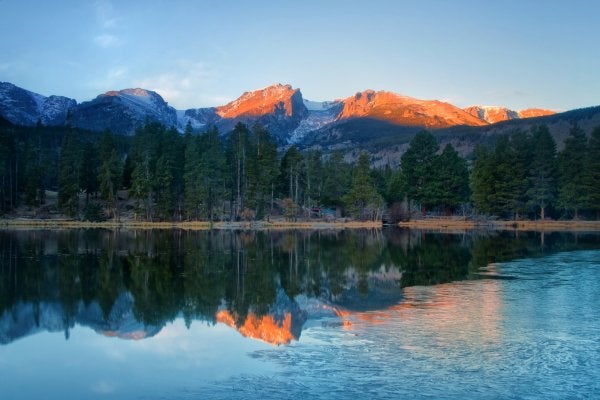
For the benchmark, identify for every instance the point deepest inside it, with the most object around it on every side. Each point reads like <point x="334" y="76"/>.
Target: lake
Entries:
<point x="172" y="314"/>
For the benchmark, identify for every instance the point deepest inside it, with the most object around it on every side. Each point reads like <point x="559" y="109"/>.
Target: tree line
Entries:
<point x="162" y="175"/>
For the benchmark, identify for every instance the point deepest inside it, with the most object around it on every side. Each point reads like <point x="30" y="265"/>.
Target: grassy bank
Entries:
<point x="23" y="223"/>
<point x="431" y="224"/>
<point x="443" y="224"/>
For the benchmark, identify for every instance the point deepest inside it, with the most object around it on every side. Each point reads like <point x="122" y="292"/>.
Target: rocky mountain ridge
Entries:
<point x="495" y="114"/>
<point x="280" y="108"/>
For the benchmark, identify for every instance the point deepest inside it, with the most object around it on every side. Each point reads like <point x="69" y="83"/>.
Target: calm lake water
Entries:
<point x="96" y="314"/>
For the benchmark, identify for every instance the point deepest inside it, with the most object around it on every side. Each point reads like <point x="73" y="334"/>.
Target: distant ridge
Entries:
<point x="369" y="119"/>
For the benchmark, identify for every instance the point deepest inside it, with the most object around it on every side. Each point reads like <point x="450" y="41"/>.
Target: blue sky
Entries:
<point x="201" y="53"/>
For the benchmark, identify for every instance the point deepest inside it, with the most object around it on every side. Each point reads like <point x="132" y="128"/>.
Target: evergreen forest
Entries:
<point x="159" y="174"/>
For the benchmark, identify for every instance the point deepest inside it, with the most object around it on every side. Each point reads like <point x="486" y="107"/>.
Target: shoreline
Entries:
<point x="434" y="224"/>
<point x="521" y="225"/>
<point x="22" y="223"/>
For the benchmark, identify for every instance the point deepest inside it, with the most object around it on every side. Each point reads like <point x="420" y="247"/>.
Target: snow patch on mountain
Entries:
<point x="23" y="107"/>
<point x="319" y="115"/>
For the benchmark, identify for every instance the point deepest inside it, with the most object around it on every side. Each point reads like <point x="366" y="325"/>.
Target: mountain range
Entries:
<point x="369" y="118"/>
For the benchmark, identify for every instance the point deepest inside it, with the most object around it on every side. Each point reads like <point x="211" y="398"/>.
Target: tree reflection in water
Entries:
<point x="129" y="284"/>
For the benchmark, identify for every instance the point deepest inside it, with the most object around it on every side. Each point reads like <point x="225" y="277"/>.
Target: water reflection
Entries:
<point x="130" y="284"/>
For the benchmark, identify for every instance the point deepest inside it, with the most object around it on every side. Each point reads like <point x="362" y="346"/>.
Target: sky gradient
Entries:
<point x="518" y="54"/>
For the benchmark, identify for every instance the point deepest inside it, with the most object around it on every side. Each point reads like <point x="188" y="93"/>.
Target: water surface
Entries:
<point x="175" y="314"/>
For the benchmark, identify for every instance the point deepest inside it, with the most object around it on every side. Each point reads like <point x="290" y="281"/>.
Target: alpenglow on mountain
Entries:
<point x="280" y="108"/>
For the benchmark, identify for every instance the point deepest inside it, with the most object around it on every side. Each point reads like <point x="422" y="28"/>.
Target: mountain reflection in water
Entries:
<point x="130" y="284"/>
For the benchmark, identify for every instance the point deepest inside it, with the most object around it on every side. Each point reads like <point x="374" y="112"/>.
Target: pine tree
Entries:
<point x="396" y="189"/>
<point x="363" y="200"/>
<point x="336" y="180"/>
<point x="291" y="179"/>
<point x="238" y="151"/>
<point x="482" y="179"/>
<point x="144" y="154"/>
<point x="110" y="173"/>
<point x="572" y="186"/>
<point x="263" y="168"/>
<point x="450" y="186"/>
<point x="168" y="179"/>
<point x="506" y="180"/>
<point x="191" y="175"/>
<point x="417" y="164"/>
<point x="542" y="171"/>
<point x="7" y="155"/>
<point x="593" y="172"/>
<point x="88" y="176"/>
<point x="213" y="173"/>
<point x="163" y="183"/>
<point x="34" y="175"/>
<point x="522" y="151"/>
<point x="68" y="177"/>
<point x="314" y="178"/>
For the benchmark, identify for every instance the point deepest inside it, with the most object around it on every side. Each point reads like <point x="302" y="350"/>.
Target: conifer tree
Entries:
<point x="263" y="168"/>
<point x="542" y="172"/>
<point x="363" y="201"/>
<point x="572" y="183"/>
<point x="518" y="181"/>
<point x="110" y="173"/>
<point x="34" y="174"/>
<point x="336" y="180"/>
<point x="482" y="179"/>
<point x="396" y="188"/>
<point x="418" y="166"/>
<point x="144" y="154"/>
<point x="68" y="177"/>
<point x="213" y="175"/>
<point x="593" y="174"/>
<point x="314" y="177"/>
<point x="450" y="186"/>
<point x="88" y="176"/>
<point x="238" y="151"/>
<point x="291" y="179"/>
<point x="191" y="174"/>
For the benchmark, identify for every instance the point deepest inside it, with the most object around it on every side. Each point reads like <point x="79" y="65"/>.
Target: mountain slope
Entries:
<point x="22" y="107"/>
<point x="404" y="110"/>
<point x="387" y="141"/>
<point x="279" y="108"/>
<point x="123" y="111"/>
<point x="369" y="119"/>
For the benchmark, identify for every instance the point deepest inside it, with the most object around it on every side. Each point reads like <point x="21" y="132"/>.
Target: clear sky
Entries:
<point x="203" y="53"/>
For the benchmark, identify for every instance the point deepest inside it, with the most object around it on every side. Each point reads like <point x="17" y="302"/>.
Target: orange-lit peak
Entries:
<point x="264" y="328"/>
<point x="404" y="110"/>
<point x="262" y="101"/>
<point x="135" y="92"/>
<point x="535" y="112"/>
<point x="494" y="114"/>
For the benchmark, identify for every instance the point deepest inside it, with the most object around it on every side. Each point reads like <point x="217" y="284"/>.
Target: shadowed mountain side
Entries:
<point x="387" y="141"/>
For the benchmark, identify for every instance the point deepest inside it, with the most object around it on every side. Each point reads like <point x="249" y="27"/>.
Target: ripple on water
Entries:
<point x="533" y="337"/>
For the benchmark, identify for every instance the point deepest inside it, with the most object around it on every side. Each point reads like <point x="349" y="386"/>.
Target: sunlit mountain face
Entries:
<point x="268" y="286"/>
<point x="280" y="108"/>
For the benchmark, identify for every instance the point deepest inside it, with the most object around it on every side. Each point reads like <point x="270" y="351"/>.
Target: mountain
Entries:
<point x="493" y="114"/>
<point x="406" y="111"/>
<point x="22" y="107"/>
<point x="279" y="108"/>
<point x="378" y="121"/>
<point x="26" y="319"/>
<point x="319" y="114"/>
<point x="123" y="111"/>
<point x="387" y="141"/>
<point x="535" y="112"/>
